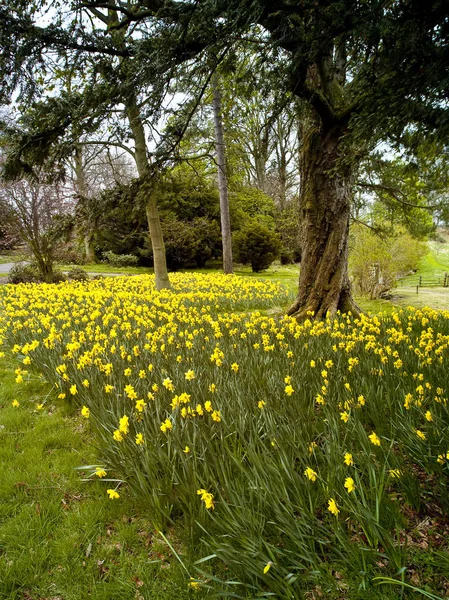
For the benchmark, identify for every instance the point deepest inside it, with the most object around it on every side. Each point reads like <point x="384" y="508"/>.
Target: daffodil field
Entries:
<point x="290" y="456"/>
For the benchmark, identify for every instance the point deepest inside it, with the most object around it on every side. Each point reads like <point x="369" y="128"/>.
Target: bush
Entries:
<point x="208" y="237"/>
<point x="77" y="274"/>
<point x="375" y="263"/>
<point x="69" y="255"/>
<point x="24" y="273"/>
<point x="180" y="243"/>
<point x="121" y="260"/>
<point x="30" y="273"/>
<point x="58" y="277"/>
<point x="190" y="243"/>
<point x="286" y="256"/>
<point x="256" y="245"/>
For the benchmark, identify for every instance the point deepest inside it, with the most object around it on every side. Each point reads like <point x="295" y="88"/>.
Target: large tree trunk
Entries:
<point x="149" y="187"/>
<point x="325" y="198"/>
<point x="222" y="180"/>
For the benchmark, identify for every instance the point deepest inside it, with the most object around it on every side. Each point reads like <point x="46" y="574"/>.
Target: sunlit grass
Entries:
<point x="59" y="536"/>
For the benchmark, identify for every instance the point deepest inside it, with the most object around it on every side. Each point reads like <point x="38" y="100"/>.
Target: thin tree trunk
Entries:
<point x="81" y="187"/>
<point x="261" y="157"/>
<point x="150" y="191"/>
<point x="325" y="198"/>
<point x="89" y="252"/>
<point x="222" y="180"/>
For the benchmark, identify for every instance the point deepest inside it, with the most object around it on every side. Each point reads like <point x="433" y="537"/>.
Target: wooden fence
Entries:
<point x="423" y="281"/>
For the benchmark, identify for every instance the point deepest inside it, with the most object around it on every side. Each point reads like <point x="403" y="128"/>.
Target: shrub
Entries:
<point x="188" y="243"/>
<point x="180" y="243"/>
<point x="24" y="273"/>
<point x="208" y="238"/>
<point x="286" y="256"/>
<point x="256" y="245"/>
<point x="58" y="277"/>
<point x="375" y="263"/>
<point x="30" y="273"/>
<point x="77" y="274"/>
<point x="120" y="260"/>
<point x="70" y="255"/>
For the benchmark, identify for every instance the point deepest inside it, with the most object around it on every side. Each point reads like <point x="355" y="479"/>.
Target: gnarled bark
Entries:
<point x="325" y="198"/>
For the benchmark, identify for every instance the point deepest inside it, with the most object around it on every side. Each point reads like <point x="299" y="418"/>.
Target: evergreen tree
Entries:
<point x="363" y="72"/>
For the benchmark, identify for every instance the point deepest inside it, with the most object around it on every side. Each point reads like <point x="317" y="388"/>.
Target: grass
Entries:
<point x="266" y="435"/>
<point x="106" y="268"/>
<point x="8" y="258"/>
<point x="61" y="537"/>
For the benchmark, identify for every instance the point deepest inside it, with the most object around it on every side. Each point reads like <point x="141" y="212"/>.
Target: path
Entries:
<point x="6" y="267"/>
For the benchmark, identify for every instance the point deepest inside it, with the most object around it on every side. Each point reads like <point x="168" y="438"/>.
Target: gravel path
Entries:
<point x="6" y="267"/>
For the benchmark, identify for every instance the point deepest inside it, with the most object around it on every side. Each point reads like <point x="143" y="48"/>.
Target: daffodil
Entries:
<point x="348" y="460"/>
<point x="207" y="498"/>
<point x="332" y="506"/>
<point x="267" y="567"/>
<point x="374" y="439"/>
<point x="310" y="474"/>
<point x="166" y="426"/>
<point x="349" y="484"/>
<point x="124" y="424"/>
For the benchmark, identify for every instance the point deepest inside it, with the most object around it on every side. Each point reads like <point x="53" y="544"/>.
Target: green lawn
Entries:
<point x="61" y="537"/>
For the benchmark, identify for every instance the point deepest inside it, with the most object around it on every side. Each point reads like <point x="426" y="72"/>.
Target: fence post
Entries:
<point x="420" y="280"/>
<point x="417" y="288"/>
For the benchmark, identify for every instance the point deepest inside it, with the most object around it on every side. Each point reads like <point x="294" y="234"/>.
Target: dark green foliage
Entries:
<point x="249" y="202"/>
<point x="189" y="194"/>
<point x="120" y="260"/>
<point x="23" y="273"/>
<point x="286" y="256"/>
<point x="208" y="238"/>
<point x="30" y="273"/>
<point x="77" y="274"/>
<point x="180" y="243"/>
<point x="190" y="243"/>
<point x="287" y="224"/>
<point x="256" y="245"/>
<point x="122" y="225"/>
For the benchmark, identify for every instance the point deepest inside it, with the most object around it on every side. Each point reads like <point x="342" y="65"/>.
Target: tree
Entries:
<point x="96" y="170"/>
<point x="363" y="72"/>
<point x="35" y="211"/>
<point x="78" y="112"/>
<point x="222" y="178"/>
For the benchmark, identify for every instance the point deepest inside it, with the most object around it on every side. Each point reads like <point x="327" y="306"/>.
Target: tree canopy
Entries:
<point x="362" y="72"/>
